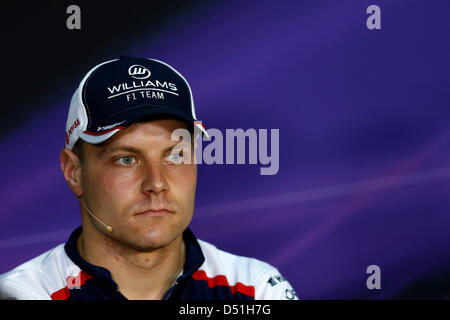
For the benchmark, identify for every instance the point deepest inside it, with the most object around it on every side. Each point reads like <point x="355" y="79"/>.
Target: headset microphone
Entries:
<point x="109" y="228"/>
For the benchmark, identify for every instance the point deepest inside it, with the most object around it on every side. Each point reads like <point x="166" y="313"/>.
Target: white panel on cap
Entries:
<point x="78" y="111"/>
<point x="94" y="139"/>
<point x="202" y="129"/>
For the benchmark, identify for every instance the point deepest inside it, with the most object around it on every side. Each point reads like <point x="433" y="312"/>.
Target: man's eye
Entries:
<point x="175" y="158"/>
<point x="126" y="160"/>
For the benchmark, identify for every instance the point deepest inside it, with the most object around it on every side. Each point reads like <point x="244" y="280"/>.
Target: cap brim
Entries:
<point x="128" y="117"/>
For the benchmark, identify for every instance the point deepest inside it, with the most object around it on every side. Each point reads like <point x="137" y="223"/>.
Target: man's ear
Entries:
<point x="71" y="169"/>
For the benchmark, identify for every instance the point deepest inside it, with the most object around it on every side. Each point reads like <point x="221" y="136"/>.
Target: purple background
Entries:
<point x="364" y="141"/>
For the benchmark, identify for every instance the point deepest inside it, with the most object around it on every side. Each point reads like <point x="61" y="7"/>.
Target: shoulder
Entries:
<point x="263" y="279"/>
<point x="37" y="278"/>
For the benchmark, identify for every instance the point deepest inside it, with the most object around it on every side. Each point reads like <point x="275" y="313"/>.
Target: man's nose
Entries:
<point x="154" y="179"/>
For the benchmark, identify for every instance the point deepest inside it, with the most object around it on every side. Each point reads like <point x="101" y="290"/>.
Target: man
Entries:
<point x="137" y="199"/>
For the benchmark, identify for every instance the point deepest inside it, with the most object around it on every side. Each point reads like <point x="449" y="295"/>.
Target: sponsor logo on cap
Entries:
<point x="75" y="124"/>
<point x="111" y="126"/>
<point x="139" y="72"/>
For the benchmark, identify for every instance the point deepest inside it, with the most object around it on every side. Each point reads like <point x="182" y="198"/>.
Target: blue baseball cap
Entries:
<point x="116" y="93"/>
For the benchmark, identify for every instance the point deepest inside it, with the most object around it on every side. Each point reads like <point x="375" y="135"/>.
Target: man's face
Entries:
<point x="133" y="172"/>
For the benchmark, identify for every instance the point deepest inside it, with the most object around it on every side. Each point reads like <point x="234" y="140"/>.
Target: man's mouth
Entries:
<point x="155" y="212"/>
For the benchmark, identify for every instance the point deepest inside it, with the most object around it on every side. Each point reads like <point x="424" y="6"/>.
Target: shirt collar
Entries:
<point x="194" y="256"/>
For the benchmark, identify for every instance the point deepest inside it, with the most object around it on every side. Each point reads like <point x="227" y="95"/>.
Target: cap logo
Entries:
<point x="139" y="72"/>
<point x="69" y="132"/>
<point x="111" y="126"/>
